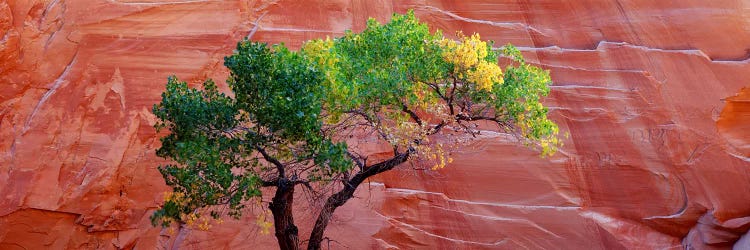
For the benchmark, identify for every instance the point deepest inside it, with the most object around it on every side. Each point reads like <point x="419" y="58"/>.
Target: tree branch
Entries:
<point x="461" y="117"/>
<point x="271" y="183"/>
<point x="356" y="159"/>
<point x="436" y="128"/>
<point x="452" y="95"/>
<point x="347" y="192"/>
<point x="413" y="115"/>
<point x="279" y="166"/>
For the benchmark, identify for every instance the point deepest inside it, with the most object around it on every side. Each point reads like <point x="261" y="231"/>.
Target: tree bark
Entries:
<point x="340" y="198"/>
<point x="283" y="219"/>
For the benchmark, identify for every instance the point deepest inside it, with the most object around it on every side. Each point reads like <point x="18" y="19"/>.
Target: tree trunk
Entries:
<point x="340" y="198"/>
<point x="283" y="219"/>
<point x="333" y="202"/>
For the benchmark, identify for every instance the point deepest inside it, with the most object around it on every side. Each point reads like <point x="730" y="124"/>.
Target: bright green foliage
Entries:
<point x="386" y="67"/>
<point x="398" y="79"/>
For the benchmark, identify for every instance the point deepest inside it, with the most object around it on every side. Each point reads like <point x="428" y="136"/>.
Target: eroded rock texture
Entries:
<point x="639" y="86"/>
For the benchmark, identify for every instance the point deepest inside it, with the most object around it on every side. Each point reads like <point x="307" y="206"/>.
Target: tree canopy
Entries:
<point x="292" y="115"/>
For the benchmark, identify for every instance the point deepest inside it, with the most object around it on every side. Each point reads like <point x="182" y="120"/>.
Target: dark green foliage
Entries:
<point x="214" y="139"/>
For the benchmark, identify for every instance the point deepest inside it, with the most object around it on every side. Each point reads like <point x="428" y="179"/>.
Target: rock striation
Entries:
<point x="650" y="92"/>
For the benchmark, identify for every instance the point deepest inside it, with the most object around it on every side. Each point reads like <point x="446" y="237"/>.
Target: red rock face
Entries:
<point x="649" y="92"/>
<point x="734" y="122"/>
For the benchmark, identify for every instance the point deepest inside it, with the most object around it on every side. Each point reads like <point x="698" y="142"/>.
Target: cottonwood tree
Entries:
<point x="292" y="116"/>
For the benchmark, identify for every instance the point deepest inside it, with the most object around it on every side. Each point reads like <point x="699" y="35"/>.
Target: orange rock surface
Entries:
<point x="649" y="91"/>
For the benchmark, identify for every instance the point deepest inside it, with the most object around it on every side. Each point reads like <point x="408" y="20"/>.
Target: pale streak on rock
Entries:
<point x="118" y="86"/>
<point x="738" y="156"/>
<point x="159" y="2"/>
<point x="391" y="220"/>
<point x="504" y="219"/>
<point x="681" y="211"/>
<point x="55" y="85"/>
<point x="385" y="243"/>
<point x="606" y="45"/>
<point x="493" y="204"/>
<point x="588" y="87"/>
<point x="300" y="30"/>
<point x="256" y="25"/>
<point x="631" y="237"/>
<point x="506" y="25"/>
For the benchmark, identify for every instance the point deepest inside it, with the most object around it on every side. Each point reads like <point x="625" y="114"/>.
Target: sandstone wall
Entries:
<point x="649" y="91"/>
